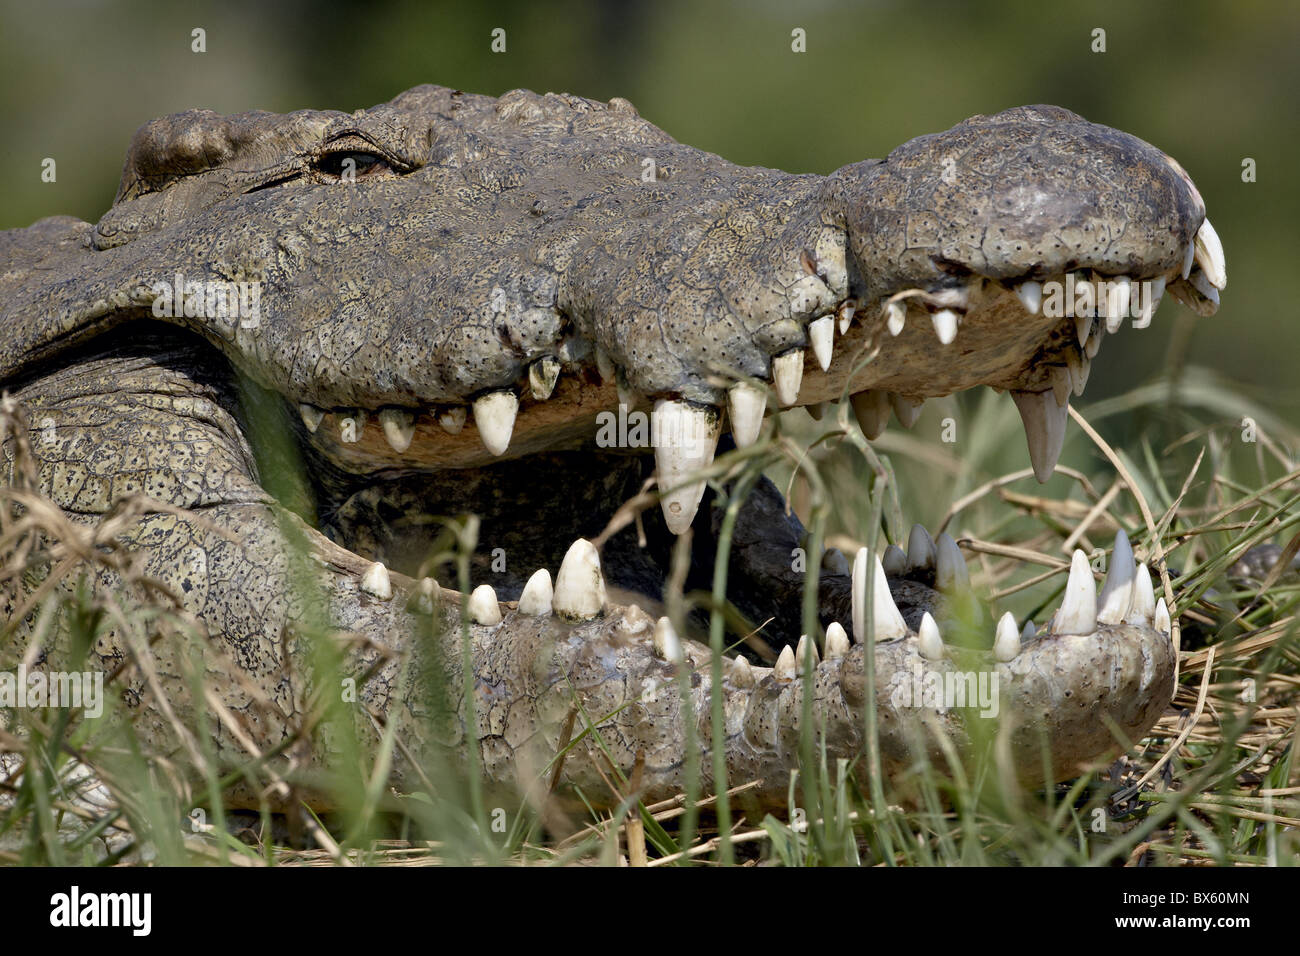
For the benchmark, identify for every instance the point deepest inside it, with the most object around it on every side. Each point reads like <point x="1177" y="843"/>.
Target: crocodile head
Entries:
<point x="446" y="297"/>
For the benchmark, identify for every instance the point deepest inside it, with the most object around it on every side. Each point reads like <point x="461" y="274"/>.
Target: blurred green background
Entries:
<point x="1210" y="83"/>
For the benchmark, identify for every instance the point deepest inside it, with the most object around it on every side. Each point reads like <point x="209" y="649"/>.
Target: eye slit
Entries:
<point x="351" y="164"/>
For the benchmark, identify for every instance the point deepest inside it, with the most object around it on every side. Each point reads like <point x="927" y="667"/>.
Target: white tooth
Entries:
<point x="821" y="332"/>
<point x="835" y="562"/>
<point x="746" y="404"/>
<point x="950" y="573"/>
<point x="1044" y="423"/>
<point x="399" y="428"/>
<point x="806" y="651"/>
<point x="1078" y="613"/>
<point x="453" y="419"/>
<point x="787" y="375"/>
<point x="817" y="410"/>
<point x="351" y="426"/>
<point x="685" y="438"/>
<point x="906" y="412"/>
<point x="920" y="549"/>
<point x="1161" y="620"/>
<point x="1074" y="363"/>
<point x="1188" y="258"/>
<point x="888" y="623"/>
<point x="1028" y="632"/>
<point x="945" y="325"/>
<point x="535" y="600"/>
<point x="896" y="317"/>
<point x="1117" y="303"/>
<point x="311" y="416"/>
<point x="1155" y="290"/>
<point x="483" y="607"/>
<point x="579" y="587"/>
<point x="871" y="408"/>
<point x="667" y="644"/>
<point x="1006" y="645"/>
<point x="895" y="560"/>
<point x="785" y="667"/>
<point x="604" y="365"/>
<point x="542" y="376"/>
<point x="1060" y="384"/>
<point x="929" y="642"/>
<point x="1202" y="284"/>
<point x="494" y="415"/>
<point x="846" y="317"/>
<point x="1209" y="253"/>
<point x="837" y="641"/>
<point x="1117" y="590"/>
<point x="1143" y="606"/>
<point x="1085" y="289"/>
<point x="1085" y="369"/>
<point x="1082" y="328"/>
<point x="740" y="674"/>
<point x="377" y="582"/>
<point x="427" y="595"/>
<point x="1031" y="296"/>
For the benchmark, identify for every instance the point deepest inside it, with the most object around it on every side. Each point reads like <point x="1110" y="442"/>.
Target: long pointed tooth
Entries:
<point x="746" y="404"/>
<point x="377" y="582"/>
<point x="1028" y="632"/>
<point x="740" y="673"/>
<point x="1202" y="284"/>
<point x="1088" y="289"/>
<point x="945" y="325"/>
<point x="494" y="415"/>
<point x="929" y="642"/>
<point x="1044" y="423"/>
<point x="895" y="560"/>
<point x="685" y="439"/>
<point x="920" y="549"/>
<point x="667" y="645"/>
<point x="1161" y="620"/>
<point x="1189" y="256"/>
<point x="1117" y="590"/>
<point x="453" y="419"/>
<point x="821" y="332"/>
<point x="1093" y="345"/>
<point x="579" y="587"/>
<point x="1085" y="369"/>
<point x="906" y="412"/>
<point x="1060" y="376"/>
<point x="785" y="667"/>
<point x="1082" y="328"/>
<point x="806" y="652"/>
<point x="542" y="376"/>
<point x="1117" y="303"/>
<point x="845" y="315"/>
<point x="1031" y="296"/>
<point x="311" y="416"/>
<point x="351" y="426"/>
<point x="1074" y="364"/>
<point x="837" y="641"/>
<point x="604" y="365"/>
<point x="1143" y="606"/>
<point x="536" y="598"/>
<point x="1209" y="254"/>
<point x="483" y="607"/>
<point x="787" y="375"/>
<point x="1155" y="290"/>
<point x="950" y="572"/>
<point x="871" y="408"/>
<point x="1006" y="645"/>
<point x="888" y="622"/>
<point x="1078" y="613"/>
<point x="896" y="317"/>
<point x="399" y="428"/>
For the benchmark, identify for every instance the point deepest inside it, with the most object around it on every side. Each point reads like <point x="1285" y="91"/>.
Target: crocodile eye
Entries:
<point x="350" y="165"/>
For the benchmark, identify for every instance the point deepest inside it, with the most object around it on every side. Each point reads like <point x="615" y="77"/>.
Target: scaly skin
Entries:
<point x="484" y="241"/>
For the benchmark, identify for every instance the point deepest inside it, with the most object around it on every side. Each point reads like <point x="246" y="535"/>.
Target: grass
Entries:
<point x="1214" y="783"/>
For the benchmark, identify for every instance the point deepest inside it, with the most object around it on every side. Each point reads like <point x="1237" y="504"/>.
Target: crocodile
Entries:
<point x="302" y="347"/>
